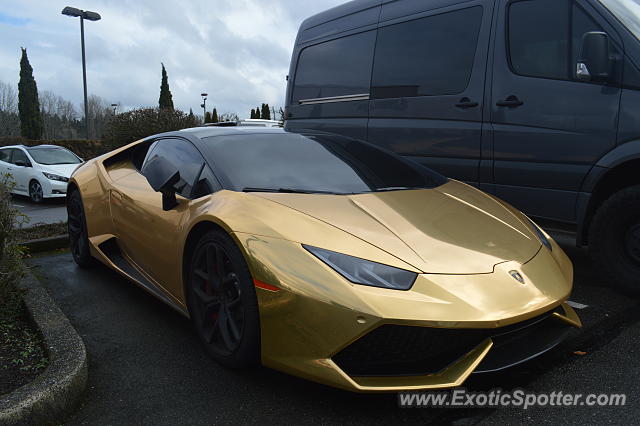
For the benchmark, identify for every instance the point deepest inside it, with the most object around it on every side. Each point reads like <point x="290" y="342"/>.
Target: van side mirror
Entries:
<point x="594" y="63"/>
<point x="22" y="163"/>
<point x="163" y="177"/>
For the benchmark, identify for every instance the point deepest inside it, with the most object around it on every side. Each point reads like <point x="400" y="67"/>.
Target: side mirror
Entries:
<point x="163" y="177"/>
<point x="22" y="163"/>
<point x="594" y="63"/>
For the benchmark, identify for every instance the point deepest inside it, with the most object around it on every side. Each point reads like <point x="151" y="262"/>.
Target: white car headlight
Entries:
<point x="365" y="272"/>
<point x="52" y="176"/>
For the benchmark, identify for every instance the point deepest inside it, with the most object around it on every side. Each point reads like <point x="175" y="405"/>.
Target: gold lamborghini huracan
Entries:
<point x="323" y="256"/>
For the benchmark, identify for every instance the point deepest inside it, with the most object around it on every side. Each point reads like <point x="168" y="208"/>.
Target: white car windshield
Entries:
<point x="53" y="155"/>
<point x="627" y="12"/>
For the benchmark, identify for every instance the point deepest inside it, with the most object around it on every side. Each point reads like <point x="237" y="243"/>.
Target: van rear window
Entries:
<point x="337" y="67"/>
<point x="426" y="56"/>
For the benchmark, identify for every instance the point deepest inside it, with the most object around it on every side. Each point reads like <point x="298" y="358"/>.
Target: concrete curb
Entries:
<point x="56" y="392"/>
<point x="47" y="244"/>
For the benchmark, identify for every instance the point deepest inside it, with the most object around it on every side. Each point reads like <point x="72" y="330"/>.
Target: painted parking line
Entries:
<point x="577" y="305"/>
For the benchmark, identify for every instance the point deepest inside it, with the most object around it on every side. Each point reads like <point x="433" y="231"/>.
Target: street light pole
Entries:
<point x="84" y="78"/>
<point x="204" y="105"/>
<point x="91" y="16"/>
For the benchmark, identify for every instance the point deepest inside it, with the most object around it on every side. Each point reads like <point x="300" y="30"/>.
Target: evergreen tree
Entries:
<point x="191" y="113"/>
<point x="214" y="116"/>
<point x="266" y="112"/>
<point x="28" y="105"/>
<point x="257" y="112"/>
<point x="253" y="113"/>
<point x="166" y="100"/>
<point x="207" y="117"/>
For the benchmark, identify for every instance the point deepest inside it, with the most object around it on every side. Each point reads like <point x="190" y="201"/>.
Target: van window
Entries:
<point x="545" y="37"/>
<point x="426" y="56"/>
<point x="335" y="68"/>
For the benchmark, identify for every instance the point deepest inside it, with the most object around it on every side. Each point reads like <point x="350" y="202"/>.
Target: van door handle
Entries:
<point x="511" y="102"/>
<point x="466" y="103"/>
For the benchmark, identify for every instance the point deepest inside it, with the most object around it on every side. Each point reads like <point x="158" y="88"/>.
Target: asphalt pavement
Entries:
<point x="51" y="210"/>
<point x="146" y="365"/>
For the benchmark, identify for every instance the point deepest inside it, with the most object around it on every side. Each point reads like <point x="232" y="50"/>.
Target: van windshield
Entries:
<point x="627" y="12"/>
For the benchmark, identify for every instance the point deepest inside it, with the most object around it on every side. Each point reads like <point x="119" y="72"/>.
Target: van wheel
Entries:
<point x="614" y="240"/>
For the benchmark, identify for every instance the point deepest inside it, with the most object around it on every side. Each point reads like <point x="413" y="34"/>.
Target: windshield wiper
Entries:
<point x="285" y="190"/>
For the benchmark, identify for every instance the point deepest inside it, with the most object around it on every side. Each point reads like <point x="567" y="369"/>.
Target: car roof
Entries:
<point x="205" y="132"/>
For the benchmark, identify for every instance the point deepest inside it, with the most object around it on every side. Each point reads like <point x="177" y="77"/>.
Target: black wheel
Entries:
<point x="222" y="301"/>
<point x="77" y="227"/>
<point x="614" y="240"/>
<point x="35" y="191"/>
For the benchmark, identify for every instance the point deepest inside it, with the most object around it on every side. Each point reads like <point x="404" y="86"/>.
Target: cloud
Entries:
<point x="237" y="51"/>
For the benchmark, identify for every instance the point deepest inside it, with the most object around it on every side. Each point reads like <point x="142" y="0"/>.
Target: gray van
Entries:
<point x="534" y="101"/>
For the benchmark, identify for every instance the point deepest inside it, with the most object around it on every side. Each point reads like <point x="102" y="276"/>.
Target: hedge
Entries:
<point x="83" y="148"/>
<point x="121" y="129"/>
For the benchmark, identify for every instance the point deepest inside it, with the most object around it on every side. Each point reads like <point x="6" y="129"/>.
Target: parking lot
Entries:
<point x="50" y="211"/>
<point x="146" y="365"/>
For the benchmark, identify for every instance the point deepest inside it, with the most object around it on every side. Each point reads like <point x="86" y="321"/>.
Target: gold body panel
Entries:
<point x="461" y="242"/>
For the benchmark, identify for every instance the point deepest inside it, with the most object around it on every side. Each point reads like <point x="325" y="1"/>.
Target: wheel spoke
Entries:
<point x="201" y="274"/>
<point x="233" y="326"/>
<point x="204" y="298"/>
<point x="223" y="326"/>
<point x="209" y="332"/>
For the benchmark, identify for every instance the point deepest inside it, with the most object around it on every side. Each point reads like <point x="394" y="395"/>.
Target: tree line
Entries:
<point x="45" y="115"/>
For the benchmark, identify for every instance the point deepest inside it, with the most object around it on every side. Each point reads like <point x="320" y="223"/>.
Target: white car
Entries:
<point x="39" y="171"/>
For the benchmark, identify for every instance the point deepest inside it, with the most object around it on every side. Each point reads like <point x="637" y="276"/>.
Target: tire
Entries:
<point x="614" y="240"/>
<point x="35" y="192"/>
<point x="77" y="229"/>
<point x="222" y="301"/>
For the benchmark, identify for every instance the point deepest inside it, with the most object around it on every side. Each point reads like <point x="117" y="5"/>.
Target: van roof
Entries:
<point x="361" y="14"/>
<point x="338" y="12"/>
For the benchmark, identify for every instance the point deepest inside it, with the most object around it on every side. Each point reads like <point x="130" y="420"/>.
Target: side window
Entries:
<point x="545" y="37"/>
<point x="426" y="56"/>
<point x="5" y="154"/>
<point x="19" y="157"/>
<point x="335" y="68"/>
<point x="184" y="156"/>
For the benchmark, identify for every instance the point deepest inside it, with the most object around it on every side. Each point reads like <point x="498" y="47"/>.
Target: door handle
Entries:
<point x="511" y="102"/>
<point x="466" y="103"/>
<point x="115" y="194"/>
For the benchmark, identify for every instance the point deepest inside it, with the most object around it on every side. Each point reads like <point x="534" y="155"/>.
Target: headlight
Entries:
<point x="365" y="272"/>
<point x="51" y="176"/>
<point x="543" y="239"/>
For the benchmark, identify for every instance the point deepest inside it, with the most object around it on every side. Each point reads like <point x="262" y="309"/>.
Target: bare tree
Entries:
<point x="59" y="116"/>
<point x="228" y="116"/>
<point x="8" y="97"/>
<point x="99" y="113"/>
<point x="9" y="120"/>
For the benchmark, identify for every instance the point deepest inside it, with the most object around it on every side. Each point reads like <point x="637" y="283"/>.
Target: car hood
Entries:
<point x="60" y="169"/>
<point x="452" y="229"/>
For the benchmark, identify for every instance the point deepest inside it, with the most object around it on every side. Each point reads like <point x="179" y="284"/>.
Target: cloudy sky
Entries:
<point x="237" y="51"/>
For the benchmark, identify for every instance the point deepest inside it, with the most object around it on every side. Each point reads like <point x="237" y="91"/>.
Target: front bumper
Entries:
<point x="315" y="319"/>
<point x="54" y="188"/>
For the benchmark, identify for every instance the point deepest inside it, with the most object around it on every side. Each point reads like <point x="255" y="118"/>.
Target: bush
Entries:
<point x="136" y="124"/>
<point x="10" y="264"/>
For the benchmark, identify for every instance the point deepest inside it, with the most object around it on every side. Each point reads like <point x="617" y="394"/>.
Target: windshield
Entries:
<point x="291" y="162"/>
<point x="627" y="11"/>
<point x="53" y="155"/>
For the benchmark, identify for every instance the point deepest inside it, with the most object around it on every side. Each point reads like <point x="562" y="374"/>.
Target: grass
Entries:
<point x="41" y="231"/>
